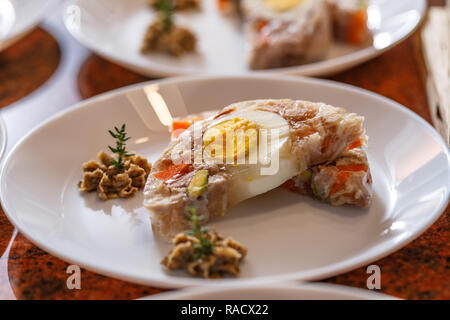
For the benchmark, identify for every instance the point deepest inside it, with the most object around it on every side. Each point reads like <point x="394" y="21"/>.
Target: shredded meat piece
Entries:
<point x="175" y="40"/>
<point x="225" y="258"/>
<point x="347" y="180"/>
<point x="112" y="183"/>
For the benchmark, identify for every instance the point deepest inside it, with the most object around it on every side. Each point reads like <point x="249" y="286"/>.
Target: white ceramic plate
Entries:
<point x="288" y="236"/>
<point x="2" y="137"/>
<point x="311" y="291"/>
<point x="115" y="28"/>
<point x="18" y="17"/>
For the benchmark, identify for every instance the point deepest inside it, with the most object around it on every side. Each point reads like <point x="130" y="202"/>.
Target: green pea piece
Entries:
<point x="198" y="184"/>
<point x="306" y="175"/>
<point x="315" y="191"/>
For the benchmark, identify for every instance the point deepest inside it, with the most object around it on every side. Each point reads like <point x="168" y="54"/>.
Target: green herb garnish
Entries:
<point x="121" y="138"/>
<point x="204" y="247"/>
<point x="165" y="10"/>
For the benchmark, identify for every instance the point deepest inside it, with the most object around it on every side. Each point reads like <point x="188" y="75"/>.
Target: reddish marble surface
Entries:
<point x="34" y="274"/>
<point x="421" y="270"/>
<point x="418" y="271"/>
<point x="26" y="65"/>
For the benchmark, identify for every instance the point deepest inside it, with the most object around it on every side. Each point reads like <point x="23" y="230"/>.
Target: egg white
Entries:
<point x="250" y="180"/>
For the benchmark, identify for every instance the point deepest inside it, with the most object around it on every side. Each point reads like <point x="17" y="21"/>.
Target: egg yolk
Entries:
<point x="239" y="134"/>
<point x="282" y="5"/>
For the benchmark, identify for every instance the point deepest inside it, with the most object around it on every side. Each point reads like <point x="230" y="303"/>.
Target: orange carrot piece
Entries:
<point x="223" y="5"/>
<point x="172" y="171"/>
<point x="260" y="24"/>
<point x="355" y="144"/>
<point x="358" y="27"/>
<point x="182" y="124"/>
<point x="341" y="179"/>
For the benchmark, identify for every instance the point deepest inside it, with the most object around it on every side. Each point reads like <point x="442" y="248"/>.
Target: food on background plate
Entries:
<point x="163" y="35"/>
<point x="178" y="4"/>
<point x="283" y="33"/>
<point x="286" y="33"/>
<point x="202" y="252"/>
<point x="175" y="41"/>
<point x="115" y="178"/>
<point x="308" y="134"/>
<point x="228" y="6"/>
<point x="279" y="33"/>
<point x="350" y="21"/>
<point x="291" y="32"/>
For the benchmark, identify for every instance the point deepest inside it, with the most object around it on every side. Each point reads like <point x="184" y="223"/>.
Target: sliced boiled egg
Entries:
<point x="276" y="10"/>
<point x="255" y="147"/>
<point x="282" y="5"/>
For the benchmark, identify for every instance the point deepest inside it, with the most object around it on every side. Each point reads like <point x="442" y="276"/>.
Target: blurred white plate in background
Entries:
<point x="291" y="291"/>
<point x="18" y="17"/>
<point x="115" y="29"/>
<point x="3" y="139"/>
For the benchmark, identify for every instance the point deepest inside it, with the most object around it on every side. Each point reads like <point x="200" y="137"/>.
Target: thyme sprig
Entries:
<point x="121" y="138"/>
<point x="204" y="247"/>
<point x="165" y="10"/>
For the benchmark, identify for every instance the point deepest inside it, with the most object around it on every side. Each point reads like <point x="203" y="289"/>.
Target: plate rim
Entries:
<point x="176" y="282"/>
<point x="319" y="68"/>
<point x="3" y="137"/>
<point x="300" y="287"/>
<point x="11" y="39"/>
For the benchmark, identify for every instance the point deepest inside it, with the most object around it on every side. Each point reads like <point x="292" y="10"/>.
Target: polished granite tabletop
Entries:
<point x="420" y="270"/>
